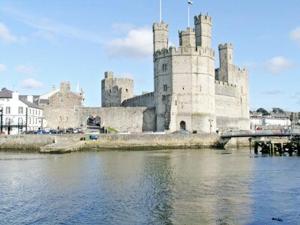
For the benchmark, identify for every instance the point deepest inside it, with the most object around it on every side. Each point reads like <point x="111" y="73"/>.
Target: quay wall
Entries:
<point x="34" y="143"/>
<point x="153" y="141"/>
<point x="30" y="143"/>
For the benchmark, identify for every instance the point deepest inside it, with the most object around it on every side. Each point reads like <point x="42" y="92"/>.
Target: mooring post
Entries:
<point x="250" y="145"/>
<point x="272" y="148"/>
<point x="256" y="148"/>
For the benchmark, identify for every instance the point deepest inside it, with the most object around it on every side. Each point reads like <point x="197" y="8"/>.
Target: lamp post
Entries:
<point x="1" y="118"/>
<point x="210" y="125"/>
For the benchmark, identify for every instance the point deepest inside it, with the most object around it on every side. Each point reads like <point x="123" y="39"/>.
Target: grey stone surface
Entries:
<point x="115" y="90"/>
<point x="188" y="92"/>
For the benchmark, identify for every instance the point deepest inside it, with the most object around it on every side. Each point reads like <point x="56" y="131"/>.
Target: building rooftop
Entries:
<point x="5" y="93"/>
<point x="23" y="99"/>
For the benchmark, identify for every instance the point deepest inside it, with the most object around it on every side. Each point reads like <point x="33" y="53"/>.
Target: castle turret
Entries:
<point x="203" y="29"/>
<point x="187" y="38"/>
<point x="226" y="61"/>
<point x="160" y="36"/>
<point x="115" y="90"/>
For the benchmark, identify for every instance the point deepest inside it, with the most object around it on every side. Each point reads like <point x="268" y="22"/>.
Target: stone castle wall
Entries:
<point x="145" y="100"/>
<point x="115" y="90"/>
<point x="121" y="119"/>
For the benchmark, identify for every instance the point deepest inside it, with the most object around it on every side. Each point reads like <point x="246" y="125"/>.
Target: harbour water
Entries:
<point x="149" y="187"/>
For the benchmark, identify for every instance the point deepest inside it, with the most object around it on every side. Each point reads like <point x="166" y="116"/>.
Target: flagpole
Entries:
<point x="160" y="11"/>
<point x="188" y="15"/>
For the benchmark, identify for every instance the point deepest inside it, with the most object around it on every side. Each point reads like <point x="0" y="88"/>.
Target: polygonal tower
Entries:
<point x="185" y="81"/>
<point x="160" y="36"/>
<point x="203" y="29"/>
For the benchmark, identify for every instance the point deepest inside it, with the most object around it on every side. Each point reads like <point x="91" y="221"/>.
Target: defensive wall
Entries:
<point x="121" y="119"/>
<point x="145" y="100"/>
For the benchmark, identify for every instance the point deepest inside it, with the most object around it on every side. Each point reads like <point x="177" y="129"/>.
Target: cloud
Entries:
<point x="136" y="44"/>
<point x="2" y="68"/>
<point x="5" y="35"/>
<point x="279" y="64"/>
<point x="31" y="83"/>
<point x="48" y="28"/>
<point x="122" y="28"/>
<point x="24" y="69"/>
<point x="295" y="35"/>
<point x="272" y="92"/>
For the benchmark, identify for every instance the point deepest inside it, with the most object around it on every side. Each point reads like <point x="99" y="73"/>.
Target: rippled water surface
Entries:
<point x="160" y="187"/>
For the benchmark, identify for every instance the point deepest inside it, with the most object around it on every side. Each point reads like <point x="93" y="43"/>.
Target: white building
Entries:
<point x="273" y="121"/>
<point x="19" y="113"/>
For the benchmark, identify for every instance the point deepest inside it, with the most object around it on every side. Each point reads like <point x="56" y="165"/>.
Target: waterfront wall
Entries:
<point x="153" y="141"/>
<point x="34" y="143"/>
<point x="25" y="142"/>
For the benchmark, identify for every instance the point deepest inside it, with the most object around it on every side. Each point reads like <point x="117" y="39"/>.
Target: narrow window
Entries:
<point x="21" y="110"/>
<point x="7" y="110"/>
<point x="165" y="87"/>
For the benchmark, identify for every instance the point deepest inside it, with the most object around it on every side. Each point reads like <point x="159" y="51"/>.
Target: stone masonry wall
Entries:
<point x="122" y="119"/>
<point x="145" y="100"/>
<point x="62" y="109"/>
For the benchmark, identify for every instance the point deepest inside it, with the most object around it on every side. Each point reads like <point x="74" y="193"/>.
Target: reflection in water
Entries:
<point x="160" y="187"/>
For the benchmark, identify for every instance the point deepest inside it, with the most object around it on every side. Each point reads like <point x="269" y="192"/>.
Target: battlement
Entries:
<point x="108" y="75"/>
<point x="187" y="31"/>
<point x="160" y="26"/>
<point x="203" y="19"/>
<point x="173" y="51"/>
<point x="225" y="84"/>
<point x="238" y="69"/>
<point x="225" y="46"/>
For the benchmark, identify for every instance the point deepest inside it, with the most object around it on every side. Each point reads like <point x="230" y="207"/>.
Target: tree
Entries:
<point x="278" y="111"/>
<point x="263" y="112"/>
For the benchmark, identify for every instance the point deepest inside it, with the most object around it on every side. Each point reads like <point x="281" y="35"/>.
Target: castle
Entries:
<point x="189" y="93"/>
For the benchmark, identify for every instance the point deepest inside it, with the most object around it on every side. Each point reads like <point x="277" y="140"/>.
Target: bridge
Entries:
<point x="258" y="135"/>
<point x="268" y="142"/>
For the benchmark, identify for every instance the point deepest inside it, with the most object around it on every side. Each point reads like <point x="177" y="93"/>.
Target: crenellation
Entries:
<point x="180" y="51"/>
<point x="189" y="93"/>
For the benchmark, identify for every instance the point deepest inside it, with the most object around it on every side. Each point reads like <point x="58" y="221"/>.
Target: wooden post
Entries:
<point x="250" y="145"/>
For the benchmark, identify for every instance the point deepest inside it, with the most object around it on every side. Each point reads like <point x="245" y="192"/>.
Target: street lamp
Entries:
<point x="210" y="124"/>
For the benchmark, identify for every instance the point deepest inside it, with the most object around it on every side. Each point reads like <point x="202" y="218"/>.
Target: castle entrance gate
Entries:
<point x="182" y="125"/>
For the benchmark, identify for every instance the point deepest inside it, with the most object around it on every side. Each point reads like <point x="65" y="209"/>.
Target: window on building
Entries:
<point x="164" y="98"/>
<point x="20" y="110"/>
<point x="20" y="121"/>
<point x="165" y="87"/>
<point x="8" y="121"/>
<point x="7" y="111"/>
<point x="164" y="67"/>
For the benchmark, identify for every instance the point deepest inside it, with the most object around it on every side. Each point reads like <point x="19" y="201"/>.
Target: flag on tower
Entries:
<point x="190" y="2"/>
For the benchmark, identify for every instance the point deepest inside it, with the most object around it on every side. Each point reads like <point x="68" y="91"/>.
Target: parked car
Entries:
<point x="42" y="132"/>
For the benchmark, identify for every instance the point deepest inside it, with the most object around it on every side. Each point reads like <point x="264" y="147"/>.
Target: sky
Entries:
<point x="45" y="42"/>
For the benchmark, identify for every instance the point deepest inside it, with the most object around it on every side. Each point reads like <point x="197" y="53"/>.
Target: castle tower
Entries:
<point x="115" y="90"/>
<point x="160" y="36"/>
<point x="187" y="38"/>
<point x="203" y="29"/>
<point x="226" y="61"/>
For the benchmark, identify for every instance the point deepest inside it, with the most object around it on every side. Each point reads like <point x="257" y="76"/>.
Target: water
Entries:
<point x="160" y="187"/>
